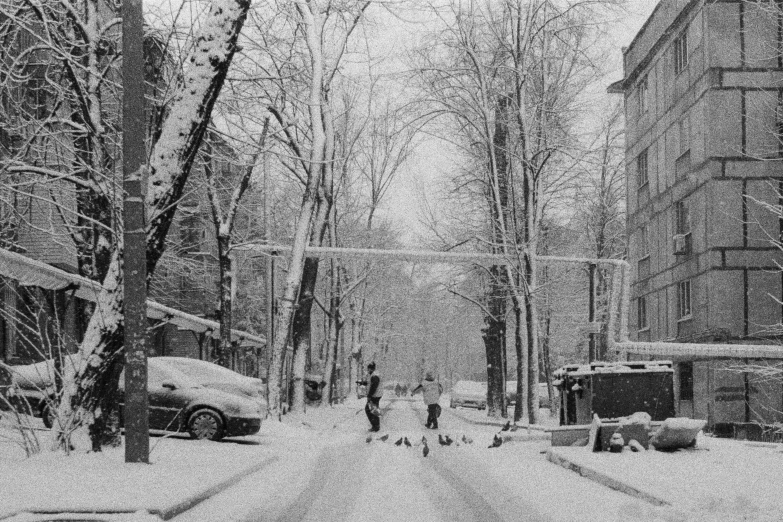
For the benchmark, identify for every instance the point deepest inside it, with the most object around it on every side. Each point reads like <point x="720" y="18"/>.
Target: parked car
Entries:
<point x="469" y="394"/>
<point x="176" y="403"/>
<point x="214" y="376"/>
<point x="543" y="394"/>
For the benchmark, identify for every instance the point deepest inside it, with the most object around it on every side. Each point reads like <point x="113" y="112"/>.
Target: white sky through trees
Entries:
<point x="434" y="156"/>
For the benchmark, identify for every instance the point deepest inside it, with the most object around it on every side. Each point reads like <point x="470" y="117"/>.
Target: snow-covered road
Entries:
<point x="333" y="474"/>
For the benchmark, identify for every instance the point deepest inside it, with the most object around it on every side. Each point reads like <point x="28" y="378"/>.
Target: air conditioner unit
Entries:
<point x="680" y="244"/>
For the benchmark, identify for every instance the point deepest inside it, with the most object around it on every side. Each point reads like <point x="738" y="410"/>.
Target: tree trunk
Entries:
<point x="226" y="275"/>
<point x="170" y="164"/>
<point x="493" y="333"/>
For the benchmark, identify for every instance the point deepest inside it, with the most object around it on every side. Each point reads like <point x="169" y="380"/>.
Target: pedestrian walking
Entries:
<point x="374" y="394"/>
<point x="431" y="392"/>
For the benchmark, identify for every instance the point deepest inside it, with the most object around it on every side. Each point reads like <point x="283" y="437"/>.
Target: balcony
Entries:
<point x="682" y="244"/>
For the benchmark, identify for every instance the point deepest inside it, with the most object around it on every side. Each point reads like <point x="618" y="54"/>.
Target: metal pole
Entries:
<point x="591" y="311"/>
<point x="136" y="412"/>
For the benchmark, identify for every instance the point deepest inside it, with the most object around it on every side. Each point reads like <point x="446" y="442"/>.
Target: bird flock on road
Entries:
<point x="446" y="440"/>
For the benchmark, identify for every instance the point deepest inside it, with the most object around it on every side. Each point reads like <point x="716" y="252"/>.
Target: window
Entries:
<point x="642" y="92"/>
<point x="682" y="221"/>
<point x="686" y="381"/>
<point x="685" y="134"/>
<point x="641" y="309"/>
<point x="684" y="299"/>
<point x="641" y="168"/>
<point x="681" y="52"/>
<point x="35" y="97"/>
<point x="644" y="241"/>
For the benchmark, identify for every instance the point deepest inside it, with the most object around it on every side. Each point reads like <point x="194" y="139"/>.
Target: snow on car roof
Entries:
<point x="470" y="386"/>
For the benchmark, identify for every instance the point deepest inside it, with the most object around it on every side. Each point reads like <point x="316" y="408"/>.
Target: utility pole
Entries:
<point x="136" y="412"/>
<point x="592" y="356"/>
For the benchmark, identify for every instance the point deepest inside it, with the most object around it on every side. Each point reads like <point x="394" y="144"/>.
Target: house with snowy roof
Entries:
<point x="704" y="159"/>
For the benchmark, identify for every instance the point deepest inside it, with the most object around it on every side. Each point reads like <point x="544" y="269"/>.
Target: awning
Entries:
<point x="29" y="272"/>
<point x="706" y="351"/>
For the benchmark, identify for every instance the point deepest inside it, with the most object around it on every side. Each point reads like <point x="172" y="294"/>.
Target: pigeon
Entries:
<point x="426" y="450"/>
<point x="384" y="438"/>
<point x="399" y="442"/>
<point x="506" y="427"/>
<point x="423" y="440"/>
<point x="407" y="442"/>
<point x="442" y="441"/>
<point x="449" y="441"/>
<point x="369" y="439"/>
<point x="496" y="442"/>
<point x="514" y="427"/>
<point x="464" y="438"/>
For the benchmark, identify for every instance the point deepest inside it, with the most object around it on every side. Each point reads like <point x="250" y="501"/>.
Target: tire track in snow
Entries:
<point x="332" y="491"/>
<point x="470" y="494"/>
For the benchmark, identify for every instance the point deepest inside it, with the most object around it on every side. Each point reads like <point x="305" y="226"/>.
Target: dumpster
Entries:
<point x="614" y="390"/>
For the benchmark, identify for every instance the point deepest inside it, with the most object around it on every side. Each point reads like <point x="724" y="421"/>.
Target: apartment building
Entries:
<point x="703" y="89"/>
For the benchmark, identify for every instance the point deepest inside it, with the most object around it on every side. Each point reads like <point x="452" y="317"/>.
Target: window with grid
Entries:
<point x="682" y="218"/>
<point x="684" y="309"/>
<point x="641" y="309"/>
<point x="643" y="267"/>
<point x="681" y="52"/>
<point x="641" y="168"/>
<point x="642" y="93"/>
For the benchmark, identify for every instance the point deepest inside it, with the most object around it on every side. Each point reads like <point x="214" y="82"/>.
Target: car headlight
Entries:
<point x="245" y="408"/>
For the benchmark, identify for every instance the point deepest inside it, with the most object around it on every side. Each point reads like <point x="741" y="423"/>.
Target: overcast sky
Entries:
<point x="404" y="200"/>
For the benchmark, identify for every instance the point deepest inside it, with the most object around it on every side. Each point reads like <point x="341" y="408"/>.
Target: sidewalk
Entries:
<point x="719" y="477"/>
<point x="182" y="474"/>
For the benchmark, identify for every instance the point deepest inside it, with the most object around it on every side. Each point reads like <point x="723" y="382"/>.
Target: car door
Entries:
<point x="165" y="398"/>
<point x="165" y="403"/>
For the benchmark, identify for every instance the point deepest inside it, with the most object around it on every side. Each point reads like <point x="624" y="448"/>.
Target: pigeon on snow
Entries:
<point x="407" y="442"/>
<point x="384" y="438"/>
<point x="399" y="442"/>
<point x="496" y="442"/>
<point x="426" y="450"/>
<point x="369" y="439"/>
<point x="449" y="441"/>
<point x="506" y="427"/>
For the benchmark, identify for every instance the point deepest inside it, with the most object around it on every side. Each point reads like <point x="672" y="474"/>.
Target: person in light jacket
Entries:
<point x="431" y="393"/>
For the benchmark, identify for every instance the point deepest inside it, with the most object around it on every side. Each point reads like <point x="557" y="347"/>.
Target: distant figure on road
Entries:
<point x="374" y="393"/>
<point x="432" y="391"/>
<point x="397" y="389"/>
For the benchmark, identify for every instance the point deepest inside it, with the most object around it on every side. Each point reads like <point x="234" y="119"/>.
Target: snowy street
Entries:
<point x="336" y="475"/>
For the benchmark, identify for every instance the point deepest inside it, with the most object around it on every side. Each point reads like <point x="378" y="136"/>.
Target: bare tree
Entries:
<point x="171" y="160"/>
<point x="224" y="222"/>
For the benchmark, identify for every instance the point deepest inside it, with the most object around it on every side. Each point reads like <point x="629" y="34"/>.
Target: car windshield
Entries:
<point x="157" y="374"/>
<point x="201" y="371"/>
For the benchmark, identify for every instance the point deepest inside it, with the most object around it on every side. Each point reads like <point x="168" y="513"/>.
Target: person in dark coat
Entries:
<point x="431" y="392"/>
<point x="374" y="394"/>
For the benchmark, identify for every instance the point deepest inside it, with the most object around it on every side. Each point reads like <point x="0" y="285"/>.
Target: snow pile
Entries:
<point x="718" y="480"/>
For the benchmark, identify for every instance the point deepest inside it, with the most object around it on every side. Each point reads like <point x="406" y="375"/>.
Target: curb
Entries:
<point x="604" y="479"/>
<point x="171" y="511"/>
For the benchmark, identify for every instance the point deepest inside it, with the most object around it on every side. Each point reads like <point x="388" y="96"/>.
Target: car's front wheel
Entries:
<point x="48" y="415"/>
<point x="205" y="424"/>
